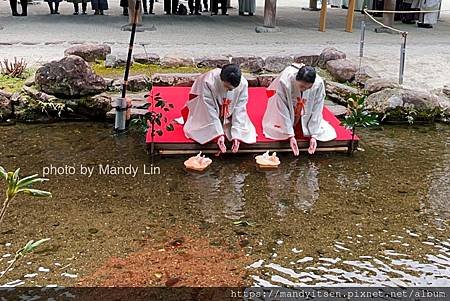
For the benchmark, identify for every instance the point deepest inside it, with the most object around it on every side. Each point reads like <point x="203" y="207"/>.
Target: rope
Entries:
<point x="404" y="11"/>
<point x="383" y="25"/>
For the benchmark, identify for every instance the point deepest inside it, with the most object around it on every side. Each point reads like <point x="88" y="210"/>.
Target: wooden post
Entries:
<point x="270" y="10"/>
<point x="132" y="11"/>
<point x="313" y="4"/>
<point x="350" y="16"/>
<point x="388" y="18"/>
<point x="323" y="16"/>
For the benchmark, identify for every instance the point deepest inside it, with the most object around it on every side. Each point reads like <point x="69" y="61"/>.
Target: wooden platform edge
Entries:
<point x="211" y="148"/>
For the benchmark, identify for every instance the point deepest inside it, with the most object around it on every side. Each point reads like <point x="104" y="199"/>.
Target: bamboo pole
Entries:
<point x="350" y="16"/>
<point x="323" y="16"/>
<point x="130" y="49"/>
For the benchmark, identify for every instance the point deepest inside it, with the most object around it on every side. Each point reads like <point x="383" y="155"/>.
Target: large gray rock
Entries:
<point x="136" y="83"/>
<point x="174" y="79"/>
<point x="337" y="110"/>
<point x="309" y="60"/>
<point x="89" y="52"/>
<point x="6" y="108"/>
<point x="446" y="90"/>
<point x="70" y="76"/>
<point x="94" y="107"/>
<point x="374" y="85"/>
<point x="364" y="74"/>
<point x="5" y="94"/>
<point x="343" y="70"/>
<point x="212" y="62"/>
<point x="253" y="64"/>
<point x="265" y="80"/>
<point x="176" y="61"/>
<point x="38" y="95"/>
<point x="398" y="104"/>
<point x="147" y="58"/>
<point x="277" y="63"/>
<point x="339" y="93"/>
<point x="330" y="54"/>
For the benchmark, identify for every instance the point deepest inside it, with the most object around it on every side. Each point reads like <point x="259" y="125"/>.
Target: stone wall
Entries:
<point x="69" y="88"/>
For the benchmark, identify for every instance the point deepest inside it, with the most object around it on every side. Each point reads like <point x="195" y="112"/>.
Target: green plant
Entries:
<point x="358" y="116"/>
<point x="13" y="69"/>
<point x="155" y="119"/>
<point x="15" y="185"/>
<point x="27" y="249"/>
<point x="52" y="106"/>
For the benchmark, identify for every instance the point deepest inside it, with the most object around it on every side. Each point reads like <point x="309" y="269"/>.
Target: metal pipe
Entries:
<point x="121" y="104"/>
<point x="402" y="58"/>
<point x="362" y="39"/>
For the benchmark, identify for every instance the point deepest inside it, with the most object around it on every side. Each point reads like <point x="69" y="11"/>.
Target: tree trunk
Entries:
<point x="270" y="10"/>
<point x="388" y="18"/>
<point x="132" y="12"/>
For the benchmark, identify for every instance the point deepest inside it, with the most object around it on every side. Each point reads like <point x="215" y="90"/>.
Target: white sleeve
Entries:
<point x="239" y="117"/>
<point x="213" y="114"/>
<point x="283" y="103"/>
<point x="317" y="112"/>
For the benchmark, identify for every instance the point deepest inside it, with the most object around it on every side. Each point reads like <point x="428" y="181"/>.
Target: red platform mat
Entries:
<point x="256" y="107"/>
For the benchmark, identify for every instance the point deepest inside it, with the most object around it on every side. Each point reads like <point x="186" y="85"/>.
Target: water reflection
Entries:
<point x="220" y="192"/>
<point x="296" y="184"/>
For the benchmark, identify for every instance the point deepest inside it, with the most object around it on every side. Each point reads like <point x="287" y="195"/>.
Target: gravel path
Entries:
<point x="41" y="37"/>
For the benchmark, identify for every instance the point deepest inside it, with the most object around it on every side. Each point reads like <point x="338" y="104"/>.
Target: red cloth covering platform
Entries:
<point x="175" y="142"/>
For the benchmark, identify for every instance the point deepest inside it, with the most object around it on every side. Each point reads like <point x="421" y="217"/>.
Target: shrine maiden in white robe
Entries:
<point x="431" y="5"/>
<point x="279" y="118"/>
<point x="214" y="111"/>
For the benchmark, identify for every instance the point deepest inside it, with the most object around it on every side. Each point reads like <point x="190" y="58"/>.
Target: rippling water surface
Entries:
<point x="377" y="218"/>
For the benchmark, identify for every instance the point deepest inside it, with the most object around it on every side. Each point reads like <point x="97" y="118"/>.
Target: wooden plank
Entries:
<point x="270" y="11"/>
<point x="350" y="16"/>
<point x="323" y="16"/>
<point x="278" y="146"/>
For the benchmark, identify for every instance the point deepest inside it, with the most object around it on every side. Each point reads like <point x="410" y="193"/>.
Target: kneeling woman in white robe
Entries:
<point x="297" y="98"/>
<point x="218" y="109"/>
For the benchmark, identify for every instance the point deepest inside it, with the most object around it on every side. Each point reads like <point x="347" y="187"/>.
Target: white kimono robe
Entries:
<point x="279" y="118"/>
<point x="428" y="18"/>
<point x="204" y="122"/>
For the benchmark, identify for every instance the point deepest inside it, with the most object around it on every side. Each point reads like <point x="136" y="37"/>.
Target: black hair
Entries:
<point x="306" y="74"/>
<point x="231" y="73"/>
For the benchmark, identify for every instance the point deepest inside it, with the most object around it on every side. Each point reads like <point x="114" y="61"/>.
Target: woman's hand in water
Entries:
<point x="312" y="146"/>
<point x="221" y="144"/>
<point x="294" y="146"/>
<point x="235" y="146"/>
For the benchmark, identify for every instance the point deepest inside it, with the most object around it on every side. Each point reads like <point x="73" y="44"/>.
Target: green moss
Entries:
<point x="136" y="69"/>
<point x="325" y="74"/>
<point x="11" y="84"/>
<point x="416" y="115"/>
<point x="14" y="84"/>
